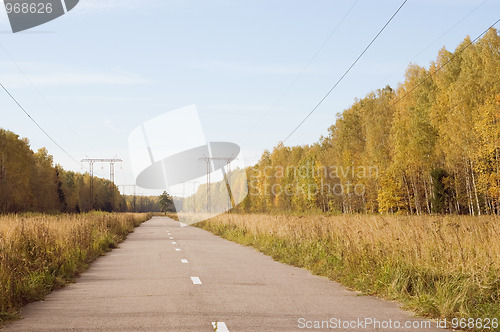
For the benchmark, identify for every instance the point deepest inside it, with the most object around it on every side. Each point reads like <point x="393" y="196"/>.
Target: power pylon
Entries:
<point x="135" y="193"/>
<point x="91" y="162"/>
<point x="209" y="161"/>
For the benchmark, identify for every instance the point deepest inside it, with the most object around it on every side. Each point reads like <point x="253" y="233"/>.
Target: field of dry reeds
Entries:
<point x="438" y="266"/>
<point x="39" y="253"/>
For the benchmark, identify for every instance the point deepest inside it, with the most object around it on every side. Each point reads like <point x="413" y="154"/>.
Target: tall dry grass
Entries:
<point x="440" y="266"/>
<point x="39" y="253"/>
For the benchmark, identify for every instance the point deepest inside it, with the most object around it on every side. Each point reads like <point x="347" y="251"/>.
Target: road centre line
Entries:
<point x="196" y="280"/>
<point x="220" y="327"/>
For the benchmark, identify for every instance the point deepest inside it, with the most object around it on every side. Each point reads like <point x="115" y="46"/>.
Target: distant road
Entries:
<point x="170" y="278"/>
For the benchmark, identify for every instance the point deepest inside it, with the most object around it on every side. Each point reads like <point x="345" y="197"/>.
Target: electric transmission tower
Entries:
<point x="135" y="192"/>
<point x="209" y="161"/>
<point x="91" y="162"/>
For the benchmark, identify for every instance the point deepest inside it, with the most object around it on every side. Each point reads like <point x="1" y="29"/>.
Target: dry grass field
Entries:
<point x="39" y="253"/>
<point x="439" y="266"/>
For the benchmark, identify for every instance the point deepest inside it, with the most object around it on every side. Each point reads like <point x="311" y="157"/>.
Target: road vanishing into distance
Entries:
<point x="165" y="277"/>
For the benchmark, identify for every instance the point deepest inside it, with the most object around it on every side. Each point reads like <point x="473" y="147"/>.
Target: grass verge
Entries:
<point x="437" y="266"/>
<point x="40" y="253"/>
<point x="172" y="215"/>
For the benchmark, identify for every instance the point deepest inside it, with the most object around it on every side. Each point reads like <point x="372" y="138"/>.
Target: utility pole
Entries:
<point x="91" y="162"/>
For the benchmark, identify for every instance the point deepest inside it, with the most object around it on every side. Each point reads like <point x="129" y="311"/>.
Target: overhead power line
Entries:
<point x="36" y="123"/>
<point x="346" y="72"/>
<point x="435" y="40"/>
<point x="444" y="64"/>
<point x="299" y="75"/>
<point x="49" y="106"/>
<point x="91" y="162"/>
<point x="42" y="96"/>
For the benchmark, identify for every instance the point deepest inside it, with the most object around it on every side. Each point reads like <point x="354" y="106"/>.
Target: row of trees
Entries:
<point x="29" y="181"/>
<point x="141" y="203"/>
<point x="430" y="146"/>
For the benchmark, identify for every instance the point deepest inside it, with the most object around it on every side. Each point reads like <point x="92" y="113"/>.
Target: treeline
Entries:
<point x="430" y="146"/>
<point x="140" y="203"/>
<point x="29" y="182"/>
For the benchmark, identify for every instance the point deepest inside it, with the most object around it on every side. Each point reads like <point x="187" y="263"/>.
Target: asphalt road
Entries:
<point x="170" y="278"/>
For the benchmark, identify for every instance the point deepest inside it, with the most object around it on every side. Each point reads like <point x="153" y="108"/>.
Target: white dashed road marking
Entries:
<point x="173" y="242"/>
<point x="196" y="280"/>
<point x="220" y="326"/>
<point x="177" y="249"/>
<point x="185" y="261"/>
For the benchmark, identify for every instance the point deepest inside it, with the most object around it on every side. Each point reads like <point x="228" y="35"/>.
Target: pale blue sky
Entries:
<point x="96" y="73"/>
